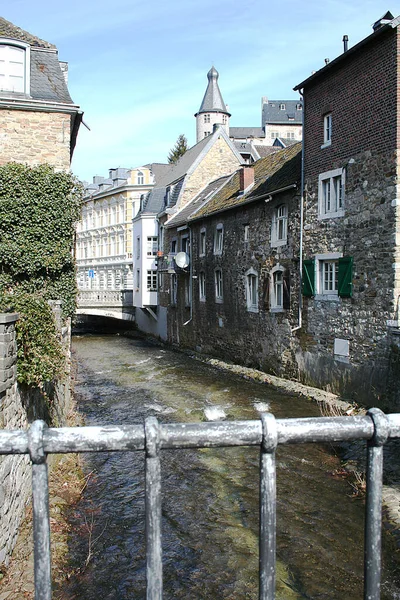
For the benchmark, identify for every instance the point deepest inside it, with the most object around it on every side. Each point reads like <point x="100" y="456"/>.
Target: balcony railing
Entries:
<point x="267" y="433"/>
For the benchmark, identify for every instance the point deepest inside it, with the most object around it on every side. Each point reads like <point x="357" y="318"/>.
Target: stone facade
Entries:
<point x="18" y="408"/>
<point x="359" y="96"/>
<point x="35" y="138"/>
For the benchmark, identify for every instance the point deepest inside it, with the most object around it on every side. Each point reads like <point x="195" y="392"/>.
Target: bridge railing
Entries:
<point x="152" y="437"/>
<point x="116" y="298"/>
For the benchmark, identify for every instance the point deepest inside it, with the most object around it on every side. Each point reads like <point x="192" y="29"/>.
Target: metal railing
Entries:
<point x="267" y="432"/>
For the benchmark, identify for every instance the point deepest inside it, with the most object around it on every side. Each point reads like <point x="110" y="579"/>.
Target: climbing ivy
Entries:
<point x="38" y="211"/>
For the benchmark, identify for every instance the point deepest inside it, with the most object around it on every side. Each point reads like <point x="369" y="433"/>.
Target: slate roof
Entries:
<point x="212" y="101"/>
<point x="272" y="173"/>
<point x="264" y="151"/>
<point x="158" y="170"/>
<point x="9" y="30"/>
<point x="153" y="202"/>
<point x="246" y="132"/>
<point x="183" y="215"/>
<point x="272" y="114"/>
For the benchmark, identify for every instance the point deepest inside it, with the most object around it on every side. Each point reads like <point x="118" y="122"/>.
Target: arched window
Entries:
<point x="252" y="290"/>
<point x="14" y="66"/>
<point x="140" y="178"/>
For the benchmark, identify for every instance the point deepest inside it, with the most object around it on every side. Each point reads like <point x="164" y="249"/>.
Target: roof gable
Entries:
<point x="9" y="30"/>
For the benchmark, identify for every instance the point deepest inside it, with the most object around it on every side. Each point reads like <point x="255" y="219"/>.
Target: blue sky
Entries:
<point x="138" y="69"/>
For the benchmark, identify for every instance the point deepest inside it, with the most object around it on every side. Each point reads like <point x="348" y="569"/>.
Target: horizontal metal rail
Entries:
<point x="39" y="441"/>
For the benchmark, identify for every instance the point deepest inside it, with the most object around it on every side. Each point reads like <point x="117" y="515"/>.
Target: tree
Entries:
<point x="178" y="150"/>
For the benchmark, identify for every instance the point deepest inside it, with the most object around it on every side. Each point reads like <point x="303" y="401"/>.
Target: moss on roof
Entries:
<point x="271" y="173"/>
<point x="9" y="30"/>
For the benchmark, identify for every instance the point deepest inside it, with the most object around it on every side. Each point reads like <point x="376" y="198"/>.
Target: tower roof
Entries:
<point x="212" y="101"/>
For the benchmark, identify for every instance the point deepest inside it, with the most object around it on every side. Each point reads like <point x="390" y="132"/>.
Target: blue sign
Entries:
<point x="91" y="273"/>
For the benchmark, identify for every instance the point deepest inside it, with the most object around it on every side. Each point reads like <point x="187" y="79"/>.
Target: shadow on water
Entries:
<point x="210" y="496"/>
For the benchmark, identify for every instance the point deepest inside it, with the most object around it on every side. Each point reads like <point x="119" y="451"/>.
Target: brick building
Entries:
<point x="352" y="219"/>
<point x="39" y="122"/>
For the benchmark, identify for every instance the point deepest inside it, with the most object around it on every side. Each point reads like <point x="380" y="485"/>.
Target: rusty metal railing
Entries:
<point x="267" y="432"/>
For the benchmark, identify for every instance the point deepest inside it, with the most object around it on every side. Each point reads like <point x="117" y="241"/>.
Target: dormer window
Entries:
<point x="140" y="178"/>
<point x="14" y="67"/>
<point x="299" y="106"/>
<point x="282" y="107"/>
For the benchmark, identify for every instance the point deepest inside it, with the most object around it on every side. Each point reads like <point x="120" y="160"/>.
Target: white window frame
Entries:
<point x="137" y="248"/>
<point x="219" y="289"/>
<point x="140" y="178"/>
<point x="327" y="130"/>
<point x="152" y="245"/>
<point x="322" y="260"/>
<point x="25" y="48"/>
<point x="185" y="243"/>
<point x="202" y="286"/>
<point x="219" y="239"/>
<point x="332" y="206"/>
<point x="174" y="289"/>
<point x="276" y="295"/>
<point x="279" y="226"/>
<point x="246" y="232"/>
<point x="137" y="280"/>
<point x="282" y="106"/>
<point x="252" y="290"/>
<point x="202" y="242"/>
<point x="151" y="280"/>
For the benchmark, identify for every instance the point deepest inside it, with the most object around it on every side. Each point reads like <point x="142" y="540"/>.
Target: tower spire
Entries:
<point x="213" y="110"/>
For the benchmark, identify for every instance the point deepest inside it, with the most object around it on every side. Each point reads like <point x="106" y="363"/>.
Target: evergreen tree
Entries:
<point x="178" y="150"/>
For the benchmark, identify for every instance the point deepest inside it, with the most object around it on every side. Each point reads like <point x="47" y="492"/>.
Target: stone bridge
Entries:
<point x="114" y="304"/>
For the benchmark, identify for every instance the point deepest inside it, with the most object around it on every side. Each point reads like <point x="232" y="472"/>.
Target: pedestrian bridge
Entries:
<point x="114" y="304"/>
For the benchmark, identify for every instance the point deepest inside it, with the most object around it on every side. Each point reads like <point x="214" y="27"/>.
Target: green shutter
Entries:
<point x="345" y="277"/>
<point x="309" y="277"/>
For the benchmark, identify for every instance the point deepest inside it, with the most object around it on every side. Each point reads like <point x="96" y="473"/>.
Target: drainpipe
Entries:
<point x="190" y="277"/>
<point x="301" y="230"/>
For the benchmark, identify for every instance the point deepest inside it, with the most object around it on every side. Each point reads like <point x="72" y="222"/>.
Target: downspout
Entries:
<point x="190" y="278"/>
<point x="301" y="229"/>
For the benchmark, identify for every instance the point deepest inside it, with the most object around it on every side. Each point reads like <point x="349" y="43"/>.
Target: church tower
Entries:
<point x="213" y="110"/>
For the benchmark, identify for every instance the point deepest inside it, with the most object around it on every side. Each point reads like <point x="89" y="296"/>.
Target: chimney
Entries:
<point x="246" y="177"/>
<point x="345" y="43"/>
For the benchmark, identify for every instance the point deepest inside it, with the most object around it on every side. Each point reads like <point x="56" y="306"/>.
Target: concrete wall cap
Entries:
<point x="8" y="318"/>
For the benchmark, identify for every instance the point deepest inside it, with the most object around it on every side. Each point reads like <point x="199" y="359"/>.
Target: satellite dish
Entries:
<point x="182" y="260"/>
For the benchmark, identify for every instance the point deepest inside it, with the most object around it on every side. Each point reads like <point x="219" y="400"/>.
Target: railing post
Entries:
<point x="41" y="521"/>
<point x="373" y="506"/>
<point x="153" y="511"/>
<point x="268" y="507"/>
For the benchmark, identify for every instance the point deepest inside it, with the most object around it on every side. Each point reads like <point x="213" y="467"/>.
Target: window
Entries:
<point x="252" y="291"/>
<point x="137" y="248"/>
<point x="185" y="244"/>
<point x="206" y="118"/>
<point x="299" y="106"/>
<point x="279" y="226"/>
<point x="219" y="239"/>
<point x="290" y="135"/>
<point x="224" y="119"/>
<point x="274" y="134"/>
<point x="137" y="280"/>
<point x="188" y="291"/>
<point x="202" y="242"/>
<point x="152" y="245"/>
<point x="173" y="246"/>
<point x="328" y="276"/>
<point x="174" y="289"/>
<point x="140" y="178"/>
<point x="331" y="194"/>
<point x="202" y="286"/>
<point x="277" y="290"/>
<point x="282" y="107"/>
<point x="327" y="130"/>
<point x="15" y="67"/>
<point x="206" y="133"/>
<point x="152" y="281"/>
<point x="218" y="285"/>
<point x="246" y="233"/>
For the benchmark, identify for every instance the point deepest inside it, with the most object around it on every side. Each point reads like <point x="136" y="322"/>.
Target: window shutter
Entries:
<point x="286" y="289"/>
<point x="266" y="295"/>
<point x="309" y="277"/>
<point x="345" y="277"/>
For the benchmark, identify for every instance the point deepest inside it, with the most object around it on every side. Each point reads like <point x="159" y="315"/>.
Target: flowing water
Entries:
<point x="210" y="496"/>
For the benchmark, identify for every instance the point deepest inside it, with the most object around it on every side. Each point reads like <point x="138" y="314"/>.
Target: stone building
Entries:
<point x="238" y="298"/>
<point x="39" y="122"/>
<point x="213" y="110"/>
<point x="351" y="244"/>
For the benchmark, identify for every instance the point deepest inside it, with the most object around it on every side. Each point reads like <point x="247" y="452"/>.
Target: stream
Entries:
<point x="210" y="496"/>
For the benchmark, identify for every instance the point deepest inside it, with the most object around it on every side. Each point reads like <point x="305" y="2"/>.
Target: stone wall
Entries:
<point x="262" y="337"/>
<point x="18" y="408"/>
<point x="35" y="138"/>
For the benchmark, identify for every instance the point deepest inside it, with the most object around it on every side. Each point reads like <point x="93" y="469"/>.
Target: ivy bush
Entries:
<point x="39" y="208"/>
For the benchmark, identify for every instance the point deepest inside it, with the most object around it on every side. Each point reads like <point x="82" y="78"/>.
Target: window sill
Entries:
<point x="278" y="243"/>
<point x="277" y="309"/>
<point x="326" y="145"/>
<point x="327" y="297"/>
<point x="219" y="300"/>
<point x="253" y="309"/>
<point x="342" y="359"/>
<point x="332" y="215"/>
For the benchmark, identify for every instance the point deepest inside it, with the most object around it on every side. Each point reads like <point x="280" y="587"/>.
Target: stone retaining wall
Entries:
<point x="18" y="408"/>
